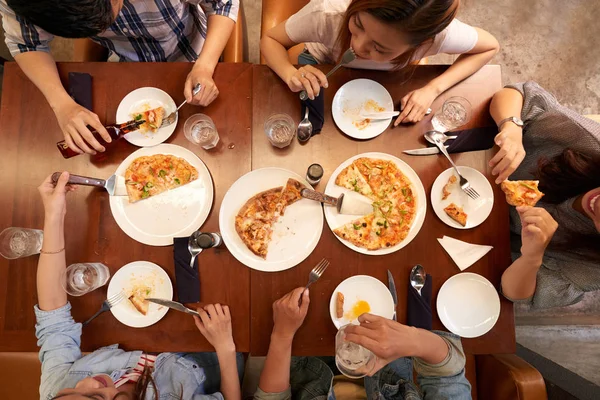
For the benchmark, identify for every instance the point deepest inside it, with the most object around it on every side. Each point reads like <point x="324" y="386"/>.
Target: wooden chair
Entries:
<point x="275" y="12"/>
<point x="87" y="50"/>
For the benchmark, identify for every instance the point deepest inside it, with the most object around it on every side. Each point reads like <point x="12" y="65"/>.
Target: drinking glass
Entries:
<point x="455" y="112"/>
<point x="79" y="279"/>
<point x="353" y="360"/>
<point x="20" y="242"/>
<point x="280" y="130"/>
<point x="201" y="130"/>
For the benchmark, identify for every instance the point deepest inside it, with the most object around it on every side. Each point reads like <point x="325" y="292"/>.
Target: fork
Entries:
<point x="347" y="57"/>
<point x="107" y="305"/>
<point x="463" y="182"/>
<point x="169" y="119"/>
<point x="314" y="275"/>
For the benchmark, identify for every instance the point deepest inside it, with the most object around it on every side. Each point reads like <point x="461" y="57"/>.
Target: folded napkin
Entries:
<point x="316" y="111"/>
<point x="186" y="279"/>
<point x="418" y="308"/>
<point x="80" y="89"/>
<point x="464" y="254"/>
<point x="471" y="139"/>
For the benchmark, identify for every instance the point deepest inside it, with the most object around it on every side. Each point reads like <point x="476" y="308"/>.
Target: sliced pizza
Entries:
<point x="447" y="189"/>
<point x="148" y="176"/>
<point x="456" y="213"/>
<point x="352" y="179"/>
<point x="289" y="195"/>
<point x="521" y="193"/>
<point x="152" y="119"/>
<point x="358" y="232"/>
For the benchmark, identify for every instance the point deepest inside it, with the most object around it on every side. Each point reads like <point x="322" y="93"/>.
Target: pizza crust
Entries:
<point x="521" y="193"/>
<point x="456" y="213"/>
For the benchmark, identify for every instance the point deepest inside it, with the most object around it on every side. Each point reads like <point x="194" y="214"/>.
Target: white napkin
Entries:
<point x="464" y="254"/>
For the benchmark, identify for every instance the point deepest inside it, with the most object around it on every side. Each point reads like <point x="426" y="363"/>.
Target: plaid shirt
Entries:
<point x="144" y="30"/>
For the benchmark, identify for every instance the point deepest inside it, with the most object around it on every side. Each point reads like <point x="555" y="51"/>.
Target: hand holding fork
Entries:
<point x="314" y="275"/>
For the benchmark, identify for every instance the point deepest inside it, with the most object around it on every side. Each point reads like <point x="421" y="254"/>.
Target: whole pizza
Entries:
<point x="150" y="175"/>
<point x="394" y="203"/>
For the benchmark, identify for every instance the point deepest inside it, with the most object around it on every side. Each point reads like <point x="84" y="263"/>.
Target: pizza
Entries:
<point x="456" y="213"/>
<point x="254" y="221"/>
<point x="339" y="305"/>
<point x="447" y="189"/>
<point x="394" y="203"/>
<point x="152" y="119"/>
<point x="521" y="193"/>
<point x="148" y="176"/>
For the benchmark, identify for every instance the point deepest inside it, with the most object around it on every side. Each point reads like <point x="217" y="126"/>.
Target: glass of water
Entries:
<point x="79" y="279"/>
<point x="353" y="360"/>
<point x="20" y="242"/>
<point x="201" y="130"/>
<point x="280" y="130"/>
<point x="455" y="112"/>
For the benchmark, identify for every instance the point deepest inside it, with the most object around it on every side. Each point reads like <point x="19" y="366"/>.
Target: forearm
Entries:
<point x="51" y="294"/>
<point x="219" y="31"/>
<point x="230" y="381"/>
<point x="464" y="66"/>
<point x="277" y="58"/>
<point x="432" y="349"/>
<point x="506" y="103"/>
<point x="40" y="68"/>
<point x="275" y="376"/>
<point x="519" y="280"/>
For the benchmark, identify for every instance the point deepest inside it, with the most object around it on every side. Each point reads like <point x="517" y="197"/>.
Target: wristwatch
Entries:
<point x="514" y="120"/>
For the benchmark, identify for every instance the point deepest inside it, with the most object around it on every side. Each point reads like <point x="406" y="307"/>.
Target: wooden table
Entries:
<point x="330" y="149"/>
<point x="28" y="137"/>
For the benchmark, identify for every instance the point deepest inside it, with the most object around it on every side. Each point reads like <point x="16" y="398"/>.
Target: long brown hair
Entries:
<point x="419" y="20"/>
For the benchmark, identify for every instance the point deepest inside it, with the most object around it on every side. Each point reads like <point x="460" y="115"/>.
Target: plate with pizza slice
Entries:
<point x="151" y="105"/>
<point x="398" y="198"/>
<point x="453" y="206"/>
<point x="266" y="224"/>
<point x="140" y="280"/>
<point x="170" y="194"/>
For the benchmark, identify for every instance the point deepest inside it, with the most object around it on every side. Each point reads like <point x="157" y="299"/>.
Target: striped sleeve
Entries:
<point x="226" y="8"/>
<point x="22" y="36"/>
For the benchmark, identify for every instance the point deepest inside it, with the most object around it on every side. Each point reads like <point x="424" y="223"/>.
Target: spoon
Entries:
<point x="305" y="128"/>
<point x="194" y="248"/>
<point x="417" y="277"/>
<point x="431" y="136"/>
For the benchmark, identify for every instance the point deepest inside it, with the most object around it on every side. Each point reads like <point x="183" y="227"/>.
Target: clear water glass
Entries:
<point x="79" y="279"/>
<point x="455" y="112"/>
<point x="353" y="360"/>
<point x="20" y="242"/>
<point x="201" y="130"/>
<point x="280" y="130"/>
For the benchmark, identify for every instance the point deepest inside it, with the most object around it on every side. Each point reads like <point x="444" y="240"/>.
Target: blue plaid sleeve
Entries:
<point x="226" y="8"/>
<point x="22" y="36"/>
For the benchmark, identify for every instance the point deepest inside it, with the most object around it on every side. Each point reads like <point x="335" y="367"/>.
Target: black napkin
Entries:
<point x="418" y="309"/>
<point x="471" y="139"/>
<point x="316" y="111"/>
<point x="80" y="89"/>
<point x="186" y="279"/>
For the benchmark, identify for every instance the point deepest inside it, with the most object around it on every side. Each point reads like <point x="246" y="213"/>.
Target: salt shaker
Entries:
<point x="207" y="240"/>
<point x="314" y="174"/>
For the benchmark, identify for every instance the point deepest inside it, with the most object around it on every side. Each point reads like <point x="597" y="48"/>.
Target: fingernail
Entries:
<point x="326" y="86"/>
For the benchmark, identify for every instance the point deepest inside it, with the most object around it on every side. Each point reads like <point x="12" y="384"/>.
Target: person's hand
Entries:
<point x="208" y="92"/>
<point x="387" y="339"/>
<point x="288" y="316"/>
<point x="215" y="325"/>
<point x="415" y="105"/>
<point x="538" y="227"/>
<point x="307" y="78"/>
<point x="54" y="197"/>
<point x="73" y="120"/>
<point x="511" y="153"/>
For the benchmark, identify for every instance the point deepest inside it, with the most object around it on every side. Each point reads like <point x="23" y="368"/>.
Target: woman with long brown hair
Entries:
<point x="385" y="35"/>
<point x="111" y="373"/>
<point x="556" y="245"/>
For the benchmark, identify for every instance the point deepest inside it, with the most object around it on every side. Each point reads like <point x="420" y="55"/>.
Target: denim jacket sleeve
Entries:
<point x="59" y="338"/>
<point x="445" y="380"/>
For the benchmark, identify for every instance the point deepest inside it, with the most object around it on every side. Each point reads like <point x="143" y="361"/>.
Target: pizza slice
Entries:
<point x="521" y="193"/>
<point x="339" y="305"/>
<point x="447" y="189"/>
<point x="152" y="119"/>
<point x="352" y="179"/>
<point x="138" y="298"/>
<point x="456" y="213"/>
<point x="289" y="195"/>
<point x="357" y="232"/>
<point x="379" y="174"/>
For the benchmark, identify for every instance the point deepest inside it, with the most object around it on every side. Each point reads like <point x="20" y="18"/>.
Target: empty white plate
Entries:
<point x="468" y="305"/>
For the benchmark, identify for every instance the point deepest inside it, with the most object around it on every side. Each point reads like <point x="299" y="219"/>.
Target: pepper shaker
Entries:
<point x="314" y="174"/>
<point x="207" y="240"/>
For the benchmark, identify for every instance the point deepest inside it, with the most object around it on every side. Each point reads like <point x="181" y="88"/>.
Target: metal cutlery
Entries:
<point x="424" y="151"/>
<point x="114" y="185"/>
<point x="314" y="275"/>
<point x="194" y="248"/>
<point x="348" y="203"/>
<point x="107" y="305"/>
<point x="433" y="135"/>
<point x="305" y="128"/>
<point x="417" y="277"/>
<point x="169" y="119"/>
<point x="379" y="115"/>
<point x="347" y="57"/>
<point x="392" y="287"/>
<point x="174" y="305"/>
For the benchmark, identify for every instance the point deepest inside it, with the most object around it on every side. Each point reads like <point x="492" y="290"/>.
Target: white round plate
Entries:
<point x="140" y="273"/>
<point x="144" y="99"/>
<point x="335" y="220"/>
<point x="355" y="96"/>
<point x="362" y="287"/>
<point x="477" y="210"/>
<point x="176" y="213"/>
<point x="468" y="305"/>
<point x="296" y="233"/>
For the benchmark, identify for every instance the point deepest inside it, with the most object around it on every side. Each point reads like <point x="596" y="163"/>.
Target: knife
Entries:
<point x="114" y="185"/>
<point x="174" y="305"/>
<point x="385" y="114"/>
<point x="392" y="287"/>
<point x="348" y="203"/>
<point x="425" y="151"/>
